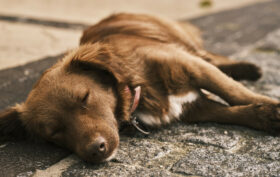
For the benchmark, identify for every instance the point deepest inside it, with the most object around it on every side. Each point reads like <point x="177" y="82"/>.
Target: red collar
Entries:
<point x="136" y="98"/>
<point x="134" y="105"/>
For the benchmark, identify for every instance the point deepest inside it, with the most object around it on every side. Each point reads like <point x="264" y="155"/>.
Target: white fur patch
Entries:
<point x="174" y="112"/>
<point x="149" y="119"/>
<point x="176" y="102"/>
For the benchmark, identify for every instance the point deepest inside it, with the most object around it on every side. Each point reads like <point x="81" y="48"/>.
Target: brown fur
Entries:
<point x="81" y="100"/>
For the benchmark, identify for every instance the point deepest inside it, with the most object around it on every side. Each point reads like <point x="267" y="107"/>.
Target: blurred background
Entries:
<point x="32" y="29"/>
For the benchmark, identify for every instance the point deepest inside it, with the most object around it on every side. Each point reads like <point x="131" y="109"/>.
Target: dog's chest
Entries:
<point x="175" y="109"/>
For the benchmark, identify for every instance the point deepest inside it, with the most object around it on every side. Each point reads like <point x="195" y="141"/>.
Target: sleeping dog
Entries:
<point x="138" y="70"/>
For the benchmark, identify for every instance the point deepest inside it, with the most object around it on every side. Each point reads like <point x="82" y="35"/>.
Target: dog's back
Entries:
<point x="122" y="26"/>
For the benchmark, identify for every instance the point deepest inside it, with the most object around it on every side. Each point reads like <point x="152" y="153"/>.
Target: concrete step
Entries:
<point x="23" y="43"/>
<point x="88" y="11"/>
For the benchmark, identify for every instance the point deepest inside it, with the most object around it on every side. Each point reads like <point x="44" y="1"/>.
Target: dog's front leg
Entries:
<point x="264" y="117"/>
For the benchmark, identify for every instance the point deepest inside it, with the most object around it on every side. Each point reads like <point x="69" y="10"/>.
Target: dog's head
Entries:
<point x="76" y="104"/>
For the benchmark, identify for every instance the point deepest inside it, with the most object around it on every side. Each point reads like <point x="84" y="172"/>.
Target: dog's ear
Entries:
<point x="11" y="127"/>
<point x="99" y="57"/>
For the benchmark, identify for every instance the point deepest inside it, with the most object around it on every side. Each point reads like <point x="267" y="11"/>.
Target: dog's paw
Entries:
<point x="242" y="71"/>
<point x="268" y="117"/>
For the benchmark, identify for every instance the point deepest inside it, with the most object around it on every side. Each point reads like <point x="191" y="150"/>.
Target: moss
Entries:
<point x="205" y="3"/>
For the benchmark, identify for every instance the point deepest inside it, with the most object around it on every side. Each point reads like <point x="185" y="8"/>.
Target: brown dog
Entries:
<point x="141" y="65"/>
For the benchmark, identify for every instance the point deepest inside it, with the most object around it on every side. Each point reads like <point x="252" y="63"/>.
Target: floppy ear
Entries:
<point x="11" y="126"/>
<point x="97" y="56"/>
<point x="100" y="57"/>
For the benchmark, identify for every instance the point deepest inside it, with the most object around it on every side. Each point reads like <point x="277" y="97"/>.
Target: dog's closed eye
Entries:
<point x="85" y="97"/>
<point x="84" y="100"/>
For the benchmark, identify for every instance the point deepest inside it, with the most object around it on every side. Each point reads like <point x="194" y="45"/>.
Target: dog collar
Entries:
<point x="134" y="105"/>
<point x="137" y="93"/>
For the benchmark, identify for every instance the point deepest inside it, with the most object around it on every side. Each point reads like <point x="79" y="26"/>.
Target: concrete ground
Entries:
<point x="34" y="35"/>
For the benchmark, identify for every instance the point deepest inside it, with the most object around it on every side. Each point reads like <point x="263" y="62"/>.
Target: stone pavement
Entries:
<point x="248" y="33"/>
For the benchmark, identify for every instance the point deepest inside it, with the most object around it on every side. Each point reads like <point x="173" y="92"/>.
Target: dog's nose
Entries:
<point x="98" y="147"/>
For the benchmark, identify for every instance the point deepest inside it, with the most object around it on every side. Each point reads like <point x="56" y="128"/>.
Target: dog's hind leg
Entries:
<point x="238" y="70"/>
<point x="189" y="70"/>
<point x="206" y="76"/>
<point x="180" y="70"/>
<point x="258" y="116"/>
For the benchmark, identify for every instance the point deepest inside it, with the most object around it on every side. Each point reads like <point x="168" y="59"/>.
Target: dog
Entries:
<point x="142" y="71"/>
